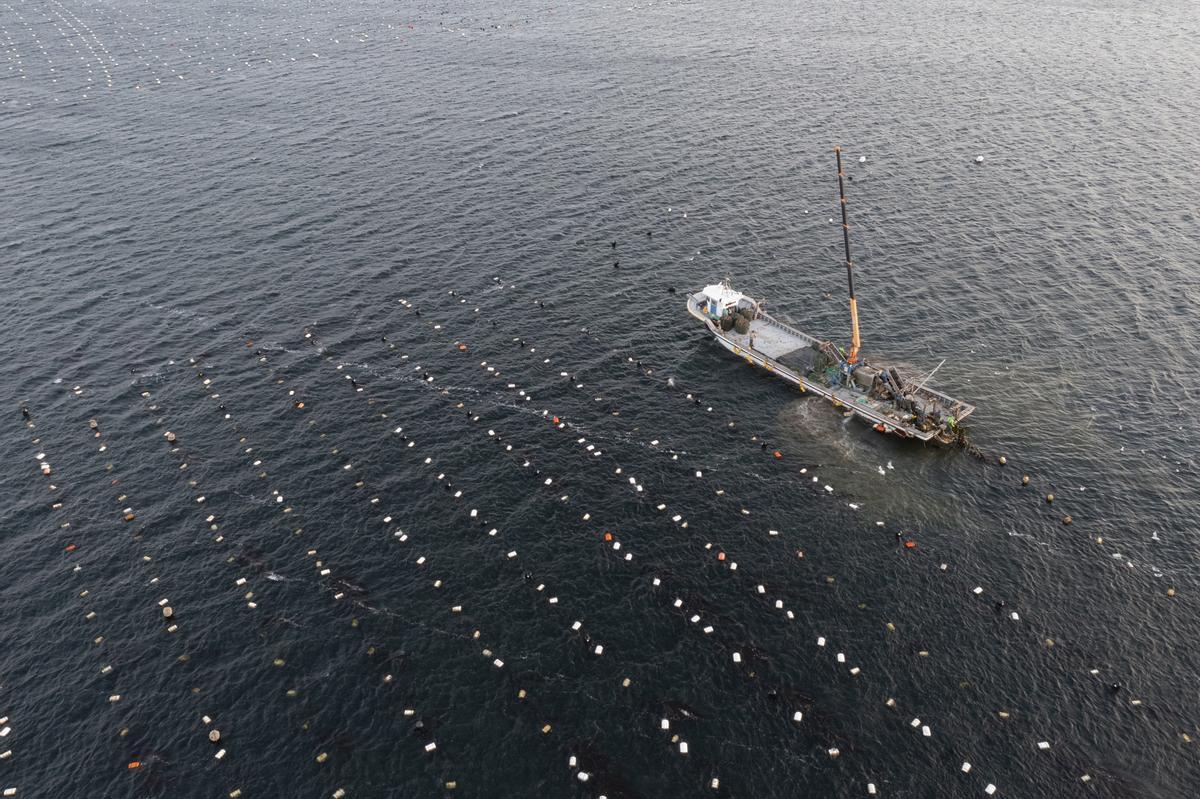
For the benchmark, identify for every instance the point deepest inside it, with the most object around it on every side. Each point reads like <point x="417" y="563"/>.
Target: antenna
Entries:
<point x="926" y="380"/>
<point x="855" y="341"/>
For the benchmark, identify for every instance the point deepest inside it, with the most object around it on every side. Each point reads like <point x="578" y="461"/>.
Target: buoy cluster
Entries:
<point x="330" y="586"/>
<point x="555" y="603"/>
<point x="586" y="441"/>
<point x="557" y="421"/>
<point x="588" y="451"/>
<point x="422" y="564"/>
<point x="541" y="361"/>
<point x="118" y="693"/>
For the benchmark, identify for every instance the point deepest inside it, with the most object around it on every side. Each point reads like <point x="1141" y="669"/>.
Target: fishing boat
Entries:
<point x="891" y="400"/>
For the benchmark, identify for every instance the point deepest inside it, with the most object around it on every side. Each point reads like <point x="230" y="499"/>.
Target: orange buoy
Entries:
<point x="608" y="536"/>
<point x="778" y="454"/>
<point x="70" y="547"/>
<point x="134" y="764"/>
<point x="462" y="347"/>
<point x="556" y="420"/>
<point x="910" y="544"/>
<point x="720" y="556"/>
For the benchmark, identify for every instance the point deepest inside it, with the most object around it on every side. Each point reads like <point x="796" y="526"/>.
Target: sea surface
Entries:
<point x="459" y="501"/>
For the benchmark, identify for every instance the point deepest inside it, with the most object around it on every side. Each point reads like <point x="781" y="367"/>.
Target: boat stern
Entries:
<point x="697" y="305"/>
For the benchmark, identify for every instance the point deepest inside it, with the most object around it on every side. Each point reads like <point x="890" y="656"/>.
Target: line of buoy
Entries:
<point x="560" y="424"/>
<point x="115" y="698"/>
<point x="241" y="583"/>
<point x="596" y="649"/>
<point x="909" y="544"/>
<point x="457" y="609"/>
<point x="1002" y="459"/>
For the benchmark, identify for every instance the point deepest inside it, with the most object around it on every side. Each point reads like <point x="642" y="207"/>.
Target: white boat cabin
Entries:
<point x="721" y="299"/>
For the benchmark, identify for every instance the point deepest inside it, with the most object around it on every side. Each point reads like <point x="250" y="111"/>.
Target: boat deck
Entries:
<point x="789" y="347"/>
<point x="788" y="352"/>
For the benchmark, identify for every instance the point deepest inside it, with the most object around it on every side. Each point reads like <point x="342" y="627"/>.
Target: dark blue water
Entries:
<point x="370" y="228"/>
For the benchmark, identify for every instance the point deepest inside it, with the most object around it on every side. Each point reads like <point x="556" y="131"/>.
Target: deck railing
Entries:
<point x="772" y="321"/>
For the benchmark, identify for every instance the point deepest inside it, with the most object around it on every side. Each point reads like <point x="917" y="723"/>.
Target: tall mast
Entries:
<point x="855" y="341"/>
